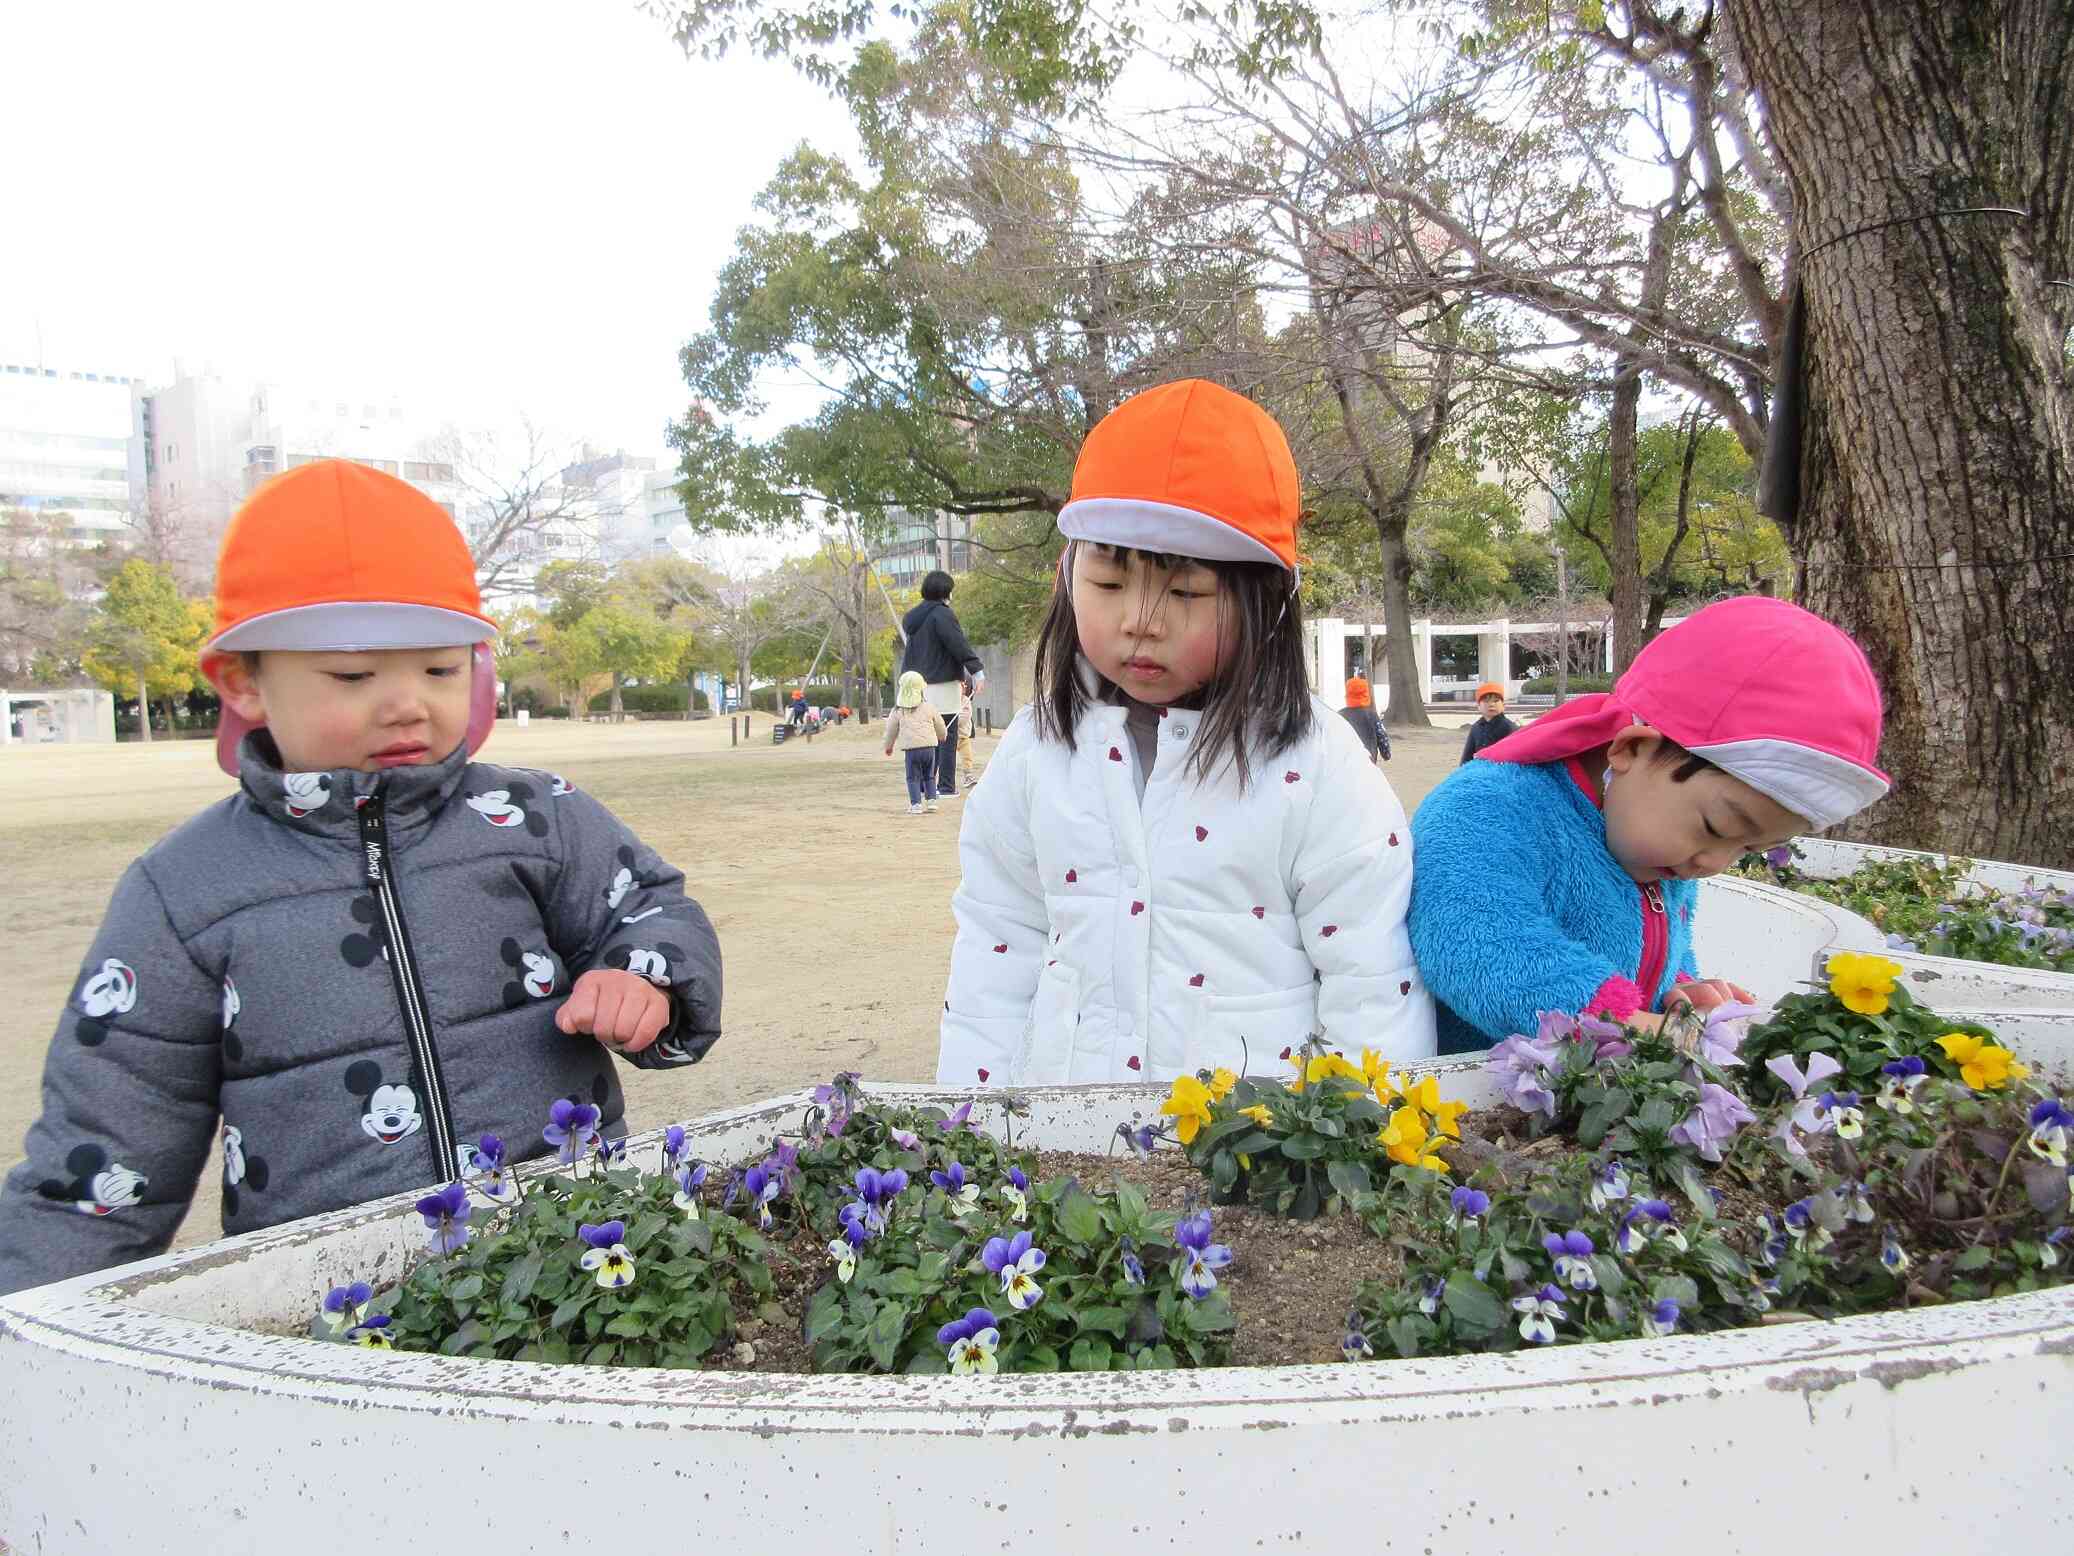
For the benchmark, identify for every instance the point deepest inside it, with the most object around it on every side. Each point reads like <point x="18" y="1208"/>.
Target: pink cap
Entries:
<point x="1764" y="690"/>
<point x="231" y="730"/>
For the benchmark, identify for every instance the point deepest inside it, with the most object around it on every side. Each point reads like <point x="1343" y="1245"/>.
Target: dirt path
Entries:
<point x="833" y="905"/>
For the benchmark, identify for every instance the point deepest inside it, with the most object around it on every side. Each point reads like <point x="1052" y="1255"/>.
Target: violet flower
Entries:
<point x="1610" y="1184"/>
<point x="607" y="1253"/>
<point x="1609" y="1037"/>
<point x="1353" y="1345"/>
<point x="1903" y="1076"/>
<point x="1015" y="1261"/>
<point x="960" y="1116"/>
<point x="907" y="1140"/>
<point x="673" y="1147"/>
<point x="1572" y="1253"/>
<point x="963" y="1194"/>
<point x="345" y="1306"/>
<point x="1839" y="1110"/>
<point x="572" y="1128"/>
<point x="1661" y="1319"/>
<point x="1133" y="1267"/>
<point x="1468" y="1205"/>
<point x="1721" y="1040"/>
<point x="2051" y="1126"/>
<point x="1431" y="1289"/>
<point x="762" y="1186"/>
<point x="1803" y="1228"/>
<point x="372" y="1332"/>
<point x="1140" y="1139"/>
<point x="1713" y="1123"/>
<point x="1016" y="1192"/>
<point x="484" y="1162"/>
<point x="1199" y="1256"/>
<point x="1807" y="1112"/>
<point x="1541" y="1309"/>
<point x="1780" y="857"/>
<point x="691" y="1177"/>
<point x="446" y="1214"/>
<point x="971" y="1342"/>
<point x="1521" y="1067"/>
<point x="1893" y="1257"/>
<point x="1645" y="1223"/>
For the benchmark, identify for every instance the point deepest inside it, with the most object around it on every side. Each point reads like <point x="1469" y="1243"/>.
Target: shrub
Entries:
<point x="649" y="699"/>
<point x="1545" y="685"/>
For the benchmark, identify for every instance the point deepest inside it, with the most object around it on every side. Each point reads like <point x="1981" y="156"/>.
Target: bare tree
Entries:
<point x="516" y="509"/>
<point x="752" y="604"/>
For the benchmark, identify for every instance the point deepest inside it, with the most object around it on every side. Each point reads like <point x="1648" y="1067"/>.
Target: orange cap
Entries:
<point x="1358" y="695"/>
<point x="1490" y="689"/>
<point x="334" y="555"/>
<point x="1188" y="468"/>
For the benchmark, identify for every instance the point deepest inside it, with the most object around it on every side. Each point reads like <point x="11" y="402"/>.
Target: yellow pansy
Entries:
<point x="1325" y="1067"/>
<point x="1375" y="1071"/>
<point x="1425" y="1096"/>
<point x="1221" y="1083"/>
<point x="1861" y="981"/>
<point x="1188" y="1105"/>
<point x="1259" y="1114"/>
<point x="1982" y="1065"/>
<point x="1405" y="1139"/>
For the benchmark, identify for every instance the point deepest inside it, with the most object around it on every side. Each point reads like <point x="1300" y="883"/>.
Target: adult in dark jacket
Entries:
<point x="1360" y="712"/>
<point x="1491" y="724"/>
<point x="938" y="652"/>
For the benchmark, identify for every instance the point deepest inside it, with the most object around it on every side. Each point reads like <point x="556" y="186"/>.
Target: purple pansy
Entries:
<point x="962" y="1192"/>
<point x="1016" y="1191"/>
<point x="1199" y="1256"/>
<point x="607" y="1253"/>
<point x="1721" y="1040"/>
<point x="1713" y="1123"/>
<point x="1609" y="1183"/>
<point x="2051" y="1127"/>
<point x="1660" y="1319"/>
<point x="762" y="1185"/>
<point x="1015" y="1260"/>
<point x="673" y="1147"/>
<point x="1540" y="1310"/>
<point x="446" y="1217"/>
<point x="345" y="1306"/>
<point x="1572" y="1253"/>
<point x="1647" y="1221"/>
<point x="1903" y="1076"/>
<point x="1133" y="1267"/>
<point x="484" y="1162"/>
<point x="572" y="1127"/>
<point x="971" y="1342"/>
<point x="1468" y="1205"/>
<point x="1139" y="1139"/>
<point x="959" y="1117"/>
<point x="691" y="1177"/>
<point x="1521" y="1067"/>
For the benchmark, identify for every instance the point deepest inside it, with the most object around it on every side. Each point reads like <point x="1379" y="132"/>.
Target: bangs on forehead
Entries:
<point x="1165" y="561"/>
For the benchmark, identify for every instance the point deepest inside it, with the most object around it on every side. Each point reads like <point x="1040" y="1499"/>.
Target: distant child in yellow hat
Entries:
<point x="1180" y="860"/>
<point x="380" y="963"/>
<point x="1491" y="725"/>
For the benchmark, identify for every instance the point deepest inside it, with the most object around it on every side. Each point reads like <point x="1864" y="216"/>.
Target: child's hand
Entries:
<point x="1645" y="1022"/>
<point x="889" y="750"/>
<point x="624" y="1012"/>
<point x="1707" y="993"/>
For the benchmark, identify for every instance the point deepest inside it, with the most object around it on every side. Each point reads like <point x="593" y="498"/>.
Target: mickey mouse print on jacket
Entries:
<point x="1101" y="938"/>
<point x="245" y="974"/>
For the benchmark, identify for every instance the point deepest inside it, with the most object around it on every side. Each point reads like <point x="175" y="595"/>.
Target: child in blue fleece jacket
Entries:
<point x="1558" y="870"/>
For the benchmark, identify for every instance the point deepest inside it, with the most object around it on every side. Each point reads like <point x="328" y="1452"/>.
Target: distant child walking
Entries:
<point x="965" y="719"/>
<point x="916" y="728"/>
<point x="1491" y="725"/>
<point x="1559" y="871"/>
<point x="379" y="963"/>
<point x="1361" y="718"/>
<point x="1181" y="859"/>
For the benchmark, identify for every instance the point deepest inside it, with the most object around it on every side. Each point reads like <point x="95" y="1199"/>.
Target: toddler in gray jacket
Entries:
<point x="378" y="950"/>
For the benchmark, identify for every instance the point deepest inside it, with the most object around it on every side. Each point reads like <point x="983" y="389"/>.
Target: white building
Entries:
<point x="925" y="543"/>
<point x="71" y="443"/>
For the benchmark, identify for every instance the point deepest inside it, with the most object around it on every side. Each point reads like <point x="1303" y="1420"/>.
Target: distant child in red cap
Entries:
<point x="1180" y="859"/>
<point x="1490" y="725"/>
<point x="1559" y="871"/>
<point x="382" y="965"/>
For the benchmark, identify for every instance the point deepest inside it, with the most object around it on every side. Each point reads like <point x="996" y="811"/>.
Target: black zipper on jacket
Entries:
<point x="410" y="994"/>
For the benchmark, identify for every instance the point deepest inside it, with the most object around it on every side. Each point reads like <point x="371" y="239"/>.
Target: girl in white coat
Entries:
<point x="1180" y="859"/>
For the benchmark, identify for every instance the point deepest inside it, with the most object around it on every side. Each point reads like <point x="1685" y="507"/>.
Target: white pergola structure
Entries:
<point x="69" y="715"/>
<point x="1327" y="638"/>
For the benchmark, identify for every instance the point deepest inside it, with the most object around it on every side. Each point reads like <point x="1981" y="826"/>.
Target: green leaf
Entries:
<point x="1305" y="1147"/>
<point x="630" y="1326"/>
<point x="882" y="1335"/>
<point x="1602" y="1115"/>
<point x="470" y="1333"/>
<point x="1079" y="1218"/>
<point x="565" y="1312"/>
<point x="824" y="1313"/>
<point x="466" y="1289"/>
<point x="520" y="1279"/>
<point x="1974" y="1258"/>
<point x="1694" y="1183"/>
<point x="1089" y="1354"/>
<point x="1109" y="1320"/>
<point x="1473" y="1305"/>
<point x="1349" y="1178"/>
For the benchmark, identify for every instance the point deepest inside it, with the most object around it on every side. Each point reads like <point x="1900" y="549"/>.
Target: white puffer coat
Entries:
<point x="1102" y="940"/>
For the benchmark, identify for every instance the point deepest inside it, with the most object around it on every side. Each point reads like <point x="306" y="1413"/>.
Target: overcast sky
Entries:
<point x="481" y="208"/>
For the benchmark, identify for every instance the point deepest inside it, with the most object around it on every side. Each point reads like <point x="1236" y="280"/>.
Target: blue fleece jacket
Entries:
<point x="1518" y="907"/>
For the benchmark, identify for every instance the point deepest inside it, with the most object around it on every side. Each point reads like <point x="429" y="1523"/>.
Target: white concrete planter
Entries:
<point x="145" y="1415"/>
<point x="1831" y="858"/>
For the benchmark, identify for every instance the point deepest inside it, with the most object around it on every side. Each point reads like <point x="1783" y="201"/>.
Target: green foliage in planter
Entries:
<point x="517" y="1290"/>
<point x="1040" y="1279"/>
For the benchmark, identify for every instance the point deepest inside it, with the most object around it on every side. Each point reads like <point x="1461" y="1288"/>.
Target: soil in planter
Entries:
<point x="1290" y="1282"/>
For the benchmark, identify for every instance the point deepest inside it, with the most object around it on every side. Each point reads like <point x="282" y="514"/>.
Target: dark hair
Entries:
<point x="937" y="586"/>
<point x="251" y="659"/>
<point x="1689" y="766"/>
<point x="1261" y="698"/>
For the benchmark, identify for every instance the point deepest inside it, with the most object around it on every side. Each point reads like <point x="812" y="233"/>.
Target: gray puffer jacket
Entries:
<point x="358" y="974"/>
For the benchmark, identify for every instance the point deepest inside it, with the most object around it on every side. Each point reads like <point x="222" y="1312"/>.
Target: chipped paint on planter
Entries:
<point x="144" y="1413"/>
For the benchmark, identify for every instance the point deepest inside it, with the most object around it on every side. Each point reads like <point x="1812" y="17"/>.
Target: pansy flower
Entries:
<point x="1539" y="1312"/>
<point x="845" y="1258"/>
<point x="1015" y="1261"/>
<point x="963" y="1193"/>
<point x="1431" y="1289"/>
<point x="1016" y="1192"/>
<point x="691" y="1177"/>
<point x="1721" y="1039"/>
<point x="2049" y="1250"/>
<point x="605" y="1152"/>
<point x="1803" y="1228"/>
<point x="1139" y="1139"/>
<point x="607" y="1253"/>
<point x="572" y="1128"/>
<point x="907" y="1140"/>
<point x="1440" y="1116"/>
<point x="1857" y="1203"/>
<point x="1572" y="1253"/>
<point x="1610" y="1183"/>
<point x="1404" y="1139"/>
<point x="1903" y="1076"/>
<point x="762" y="1185"/>
<point x="1353" y="1345"/>
<point x="1467" y="1205"/>
<point x="1982" y="1065"/>
<point x="1259" y="1113"/>
<point x="2051" y="1125"/>
<point x="1862" y="982"/>
<point x="345" y="1306"/>
<point x="1893" y="1257"/>
<point x="1807" y="1115"/>
<point x="1771" y="1243"/>
<point x="1521" y="1066"/>
<point x="1133" y="1266"/>
<point x="673" y="1147"/>
<point x="1840" y="1111"/>
<point x="446" y="1218"/>
<point x="1661" y="1318"/>
<point x="1199" y="1256"/>
<point x="971" y="1342"/>
<point x="1188" y="1105"/>
<point x="1220" y="1083"/>
<point x="958" y="1118"/>
<point x="372" y="1332"/>
<point x="484" y="1162"/>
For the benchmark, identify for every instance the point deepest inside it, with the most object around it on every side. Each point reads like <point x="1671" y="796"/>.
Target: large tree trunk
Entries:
<point x="143" y="709"/>
<point x="1407" y="706"/>
<point x="1936" y="520"/>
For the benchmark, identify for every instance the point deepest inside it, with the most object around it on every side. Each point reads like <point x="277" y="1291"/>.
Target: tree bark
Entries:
<point x="143" y="710"/>
<point x="1936" y="519"/>
<point x="1624" y="524"/>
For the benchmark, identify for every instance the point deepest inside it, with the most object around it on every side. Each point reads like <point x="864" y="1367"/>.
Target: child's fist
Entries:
<point x="1706" y="993"/>
<point x="624" y="1012"/>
